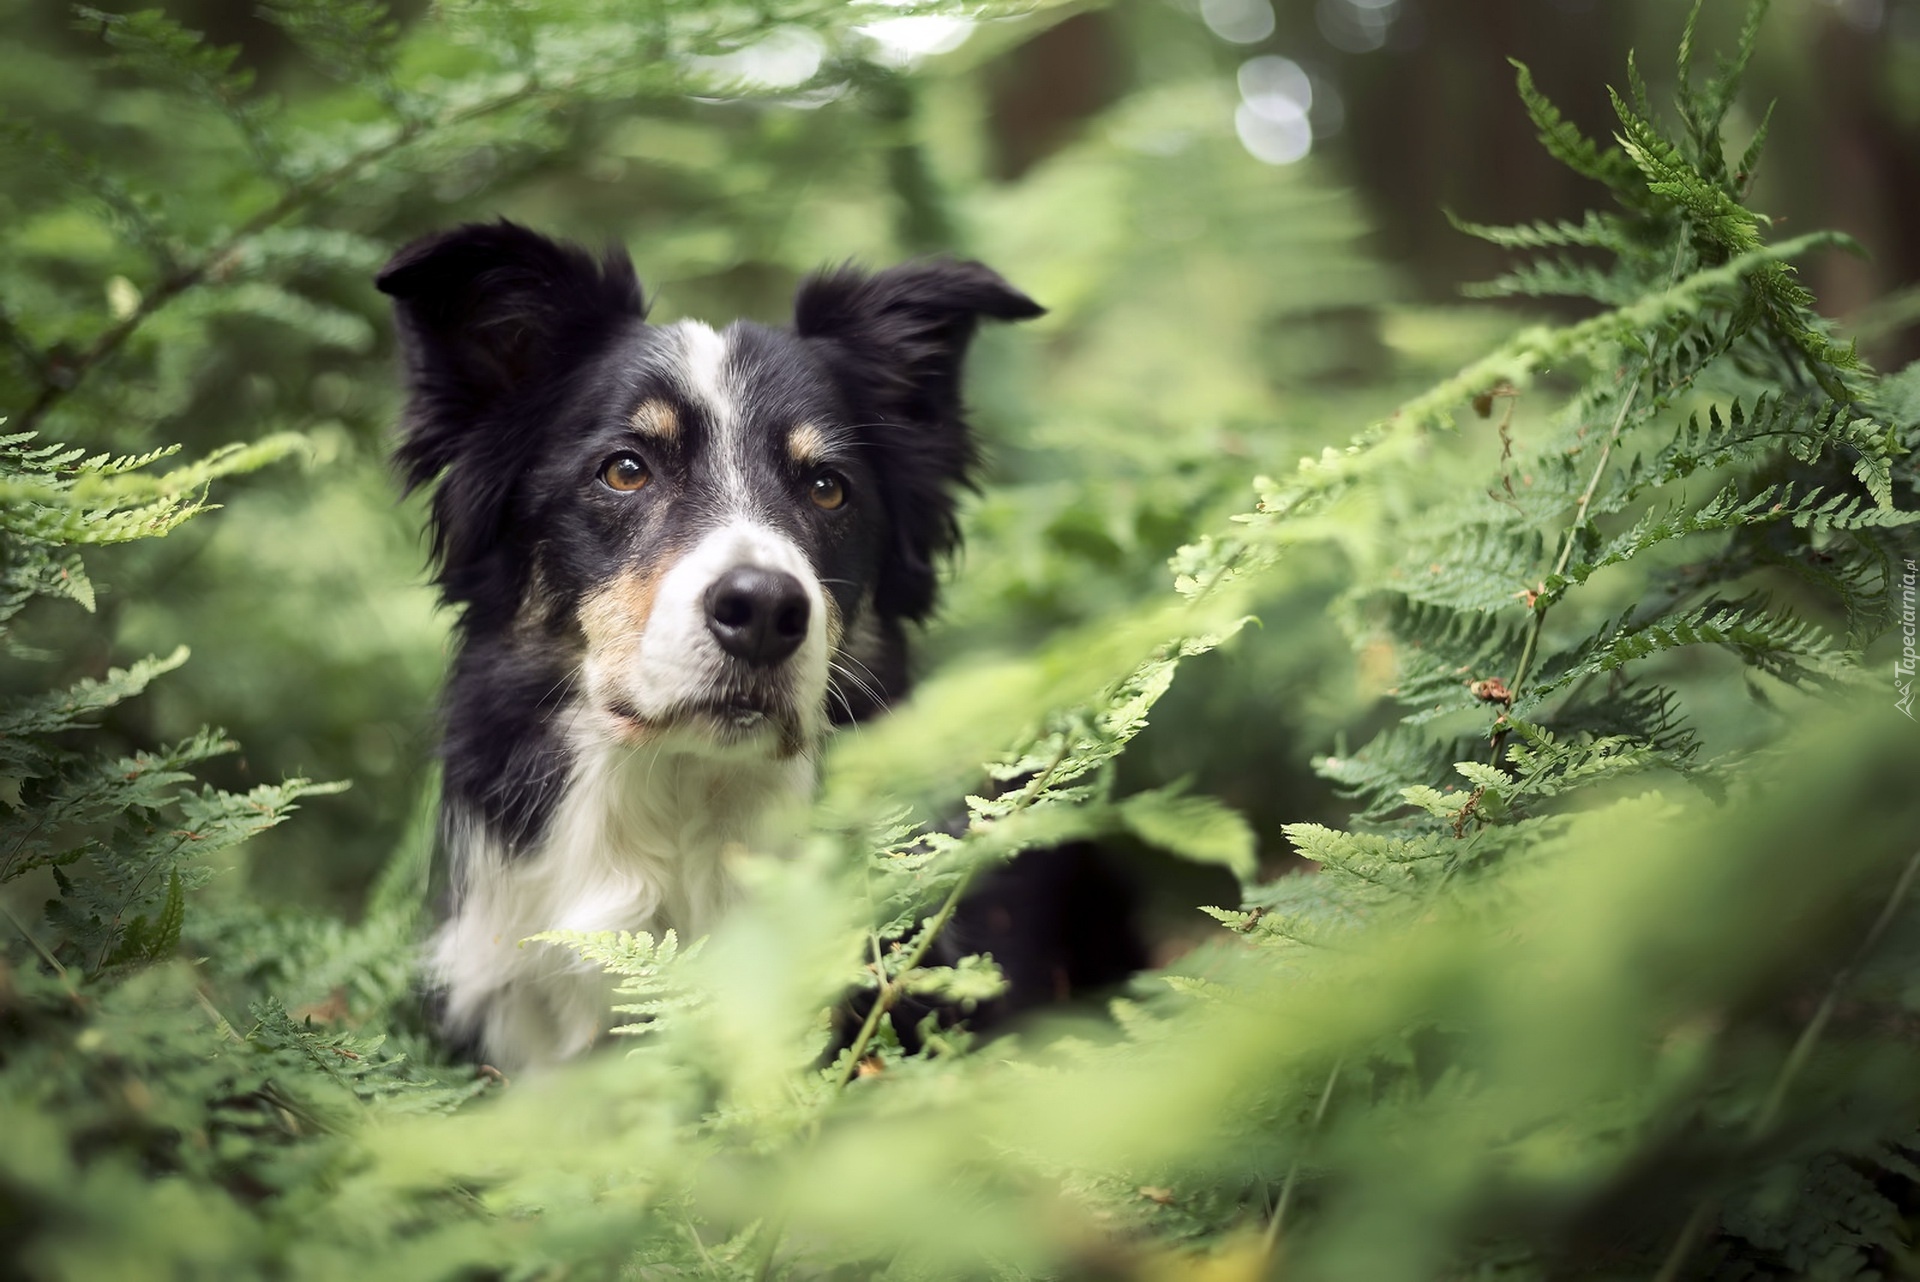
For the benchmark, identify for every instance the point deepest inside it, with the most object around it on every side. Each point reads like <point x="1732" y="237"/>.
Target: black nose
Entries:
<point x="757" y="615"/>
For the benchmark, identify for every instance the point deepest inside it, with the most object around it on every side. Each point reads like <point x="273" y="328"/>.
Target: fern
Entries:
<point x="1595" y="231"/>
<point x="1560" y="277"/>
<point x="1389" y="865"/>
<point x="1588" y="945"/>
<point x="152" y="45"/>
<point x="122" y="840"/>
<point x="1664" y="458"/>
<point x="1696" y="299"/>
<point x="644" y="968"/>
<point x="1564" y="141"/>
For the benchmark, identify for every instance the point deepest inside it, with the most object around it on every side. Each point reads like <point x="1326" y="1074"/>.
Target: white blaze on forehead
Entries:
<point x="699" y="360"/>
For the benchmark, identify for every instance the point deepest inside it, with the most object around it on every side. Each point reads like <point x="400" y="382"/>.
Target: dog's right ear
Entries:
<point x="488" y="313"/>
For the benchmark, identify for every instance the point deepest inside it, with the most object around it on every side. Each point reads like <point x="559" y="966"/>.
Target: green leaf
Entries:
<point x="970" y="981"/>
<point x="1194" y="827"/>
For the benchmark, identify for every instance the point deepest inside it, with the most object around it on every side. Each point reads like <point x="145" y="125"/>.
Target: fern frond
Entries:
<point x="138" y="215"/>
<point x="1564" y="141"/>
<point x="286" y="250"/>
<point x="1649" y="712"/>
<point x="54" y="496"/>
<point x="1718" y="97"/>
<point x="1859" y="573"/>
<point x="972" y="980"/>
<point x="1740" y="435"/>
<point x="1441" y="652"/>
<point x="1875" y="447"/>
<point x="1556" y="278"/>
<point x="215" y="820"/>
<point x="1726" y="510"/>
<point x="24" y="577"/>
<point x="1796" y="651"/>
<point x="26" y="722"/>
<point x="1548" y="765"/>
<point x="1516" y="362"/>
<point x="1484" y="567"/>
<point x="1399" y="865"/>
<point x="351" y="40"/>
<point x="340" y="1072"/>
<point x="649" y="985"/>
<point x="108" y="887"/>
<point x="1399" y="757"/>
<point x="1720" y="224"/>
<point x="1300" y="909"/>
<point x="1750" y="159"/>
<point x="320" y="323"/>
<point x="70" y="813"/>
<point x="1595" y="231"/>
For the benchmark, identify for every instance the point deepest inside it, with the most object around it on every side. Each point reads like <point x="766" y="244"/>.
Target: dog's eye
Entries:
<point x="828" y="491"/>
<point x="625" y="472"/>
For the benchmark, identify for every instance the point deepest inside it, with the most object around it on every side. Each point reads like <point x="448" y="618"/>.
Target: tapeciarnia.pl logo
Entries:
<point x="1904" y="665"/>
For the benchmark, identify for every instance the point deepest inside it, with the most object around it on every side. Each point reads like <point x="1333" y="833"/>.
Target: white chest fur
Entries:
<point x="638" y="841"/>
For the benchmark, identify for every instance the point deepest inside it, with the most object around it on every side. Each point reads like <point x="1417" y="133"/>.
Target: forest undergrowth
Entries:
<point x="1609" y="973"/>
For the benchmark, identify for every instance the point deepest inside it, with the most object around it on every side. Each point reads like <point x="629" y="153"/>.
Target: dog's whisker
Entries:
<point x="868" y="688"/>
<point x="876" y="686"/>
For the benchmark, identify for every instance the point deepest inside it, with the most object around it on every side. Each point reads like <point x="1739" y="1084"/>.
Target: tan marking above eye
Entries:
<point x="827" y="491"/>
<point x="655" y="419"/>
<point x="626" y="473"/>
<point x="806" y="444"/>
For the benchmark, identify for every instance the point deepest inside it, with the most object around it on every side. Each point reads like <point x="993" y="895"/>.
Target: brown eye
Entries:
<point x="625" y="472"/>
<point x="827" y="491"/>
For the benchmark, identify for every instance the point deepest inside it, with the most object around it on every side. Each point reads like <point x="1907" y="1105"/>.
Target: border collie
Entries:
<point x="679" y="555"/>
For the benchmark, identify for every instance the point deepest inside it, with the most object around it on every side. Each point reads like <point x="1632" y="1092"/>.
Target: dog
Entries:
<point x="679" y="557"/>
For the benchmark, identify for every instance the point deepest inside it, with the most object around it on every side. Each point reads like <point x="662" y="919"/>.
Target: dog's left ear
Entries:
<point x="897" y="341"/>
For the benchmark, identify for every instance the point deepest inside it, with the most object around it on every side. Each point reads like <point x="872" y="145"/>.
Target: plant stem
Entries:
<point x="763" y="1267"/>
<point x="1270" y="1240"/>
<point x="1796" y="1063"/>
<point x="1803" y="1047"/>
<point x="38" y="947"/>
<point x="890" y="989"/>
<point x="1572" y="534"/>
<point x="1690" y="1235"/>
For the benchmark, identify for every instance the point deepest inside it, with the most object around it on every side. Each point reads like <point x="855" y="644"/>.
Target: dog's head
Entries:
<point x="724" y="530"/>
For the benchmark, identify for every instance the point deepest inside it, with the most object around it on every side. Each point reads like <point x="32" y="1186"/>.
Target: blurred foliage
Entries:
<point x="1609" y="973"/>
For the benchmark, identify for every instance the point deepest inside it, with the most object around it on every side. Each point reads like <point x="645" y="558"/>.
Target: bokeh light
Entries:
<point x="1240" y="22"/>
<point x="1356" y="26"/>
